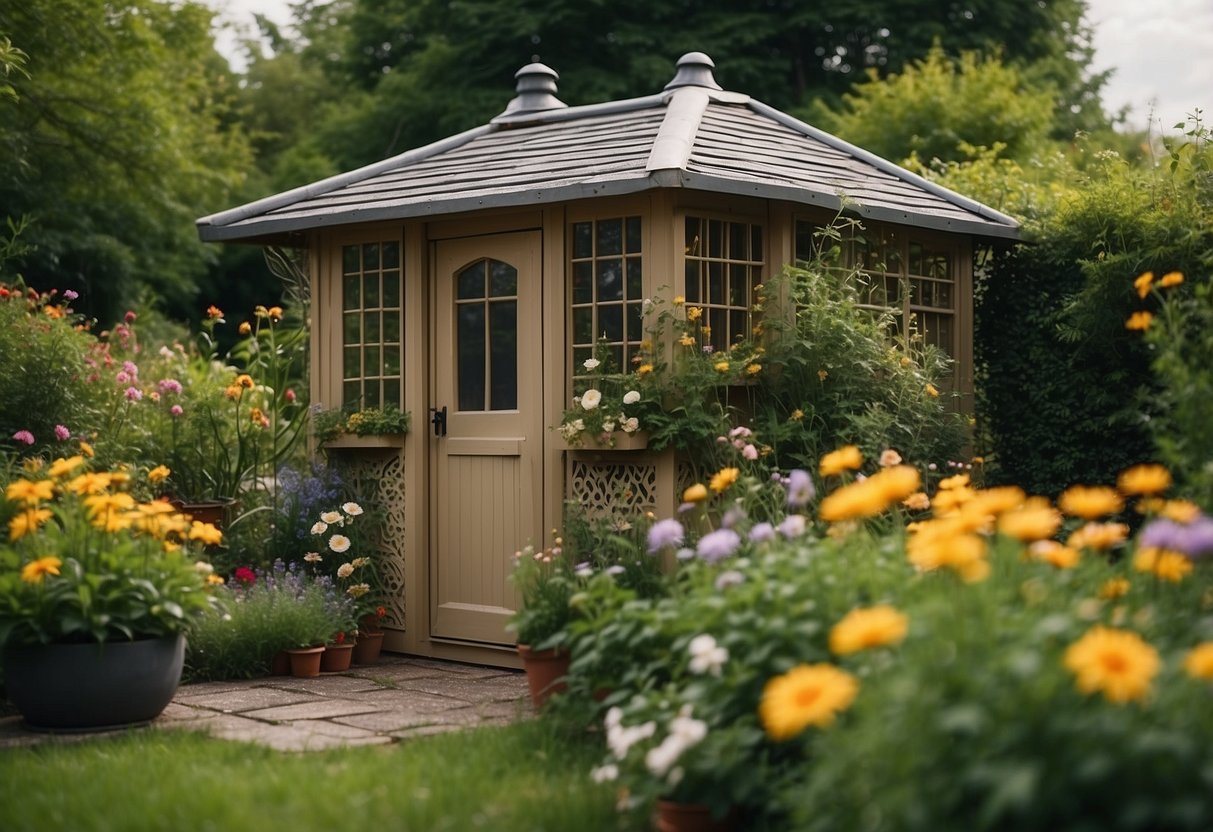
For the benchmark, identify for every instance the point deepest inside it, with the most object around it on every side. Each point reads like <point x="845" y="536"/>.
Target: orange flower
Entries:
<point x="1139" y="321"/>
<point x="214" y="312"/>
<point x="1171" y="279"/>
<point x="847" y="458"/>
<point x="1143" y="480"/>
<point x="1143" y="283"/>
<point x="1090" y="502"/>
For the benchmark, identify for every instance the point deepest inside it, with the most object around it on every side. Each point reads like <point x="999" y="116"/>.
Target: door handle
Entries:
<point x="438" y="420"/>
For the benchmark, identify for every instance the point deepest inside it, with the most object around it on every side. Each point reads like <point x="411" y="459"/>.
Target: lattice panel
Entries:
<point x="378" y="480"/>
<point x="614" y="488"/>
<point x="685" y="476"/>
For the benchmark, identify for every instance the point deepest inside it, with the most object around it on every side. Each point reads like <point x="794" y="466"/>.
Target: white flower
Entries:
<point x="313" y="557"/>
<point x="331" y="517"/>
<point x="339" y="543"/>
<point x="631" y="425"/>
<point x="358" y="590"/>
<point x="621" y="738"/>
<point x="345" y="570"/>
<point x="604" y="774"/>
<point x="360" y="562"/>
<point x="661" y="759"/>
<point x="631" y="397"/>
<point x="706" y="655"/>
<point x="591" y="364"/>
<point x="203" y="568"/>
<point x="608" y="427"/>
<point x="689" y="731"/>
<point x="352" y="509"/>
<point x="320" y="527"/>
<point x="590" y="399"/>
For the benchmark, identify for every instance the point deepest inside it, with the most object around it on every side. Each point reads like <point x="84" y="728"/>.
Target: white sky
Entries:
<point x="1162" y="51"/>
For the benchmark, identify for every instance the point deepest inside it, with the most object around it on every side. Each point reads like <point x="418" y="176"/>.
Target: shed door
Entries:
<point x="487" y="486"/>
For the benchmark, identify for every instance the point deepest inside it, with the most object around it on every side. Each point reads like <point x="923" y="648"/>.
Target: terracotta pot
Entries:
<point x="367" y="647"/>
<point x="84" y="687"/>
<point x="545" y="671"/>
<point x="690" y="817"/>
<point x="280" y="664"/>
<point x="205" y="511"/>
<point x="336" y="657"/>
<point x="305" y="661"/>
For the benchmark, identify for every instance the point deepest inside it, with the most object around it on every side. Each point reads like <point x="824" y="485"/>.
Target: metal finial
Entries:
<point x="536" y="90"/>
<point x="694" y="70"/>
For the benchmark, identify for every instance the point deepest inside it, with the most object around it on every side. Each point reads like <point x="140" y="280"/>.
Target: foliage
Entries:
<point x="281" y="609"/>
<point x="337" y="537"/>
<point x="937" y="105"/>
<point x="608" y="402"/>
<point x="371" y="421"/>
<point x="112" y="182"/>
<point x="1066" y="390"/>
<point x="89" y="562"/>
<point x="545" y="582"/>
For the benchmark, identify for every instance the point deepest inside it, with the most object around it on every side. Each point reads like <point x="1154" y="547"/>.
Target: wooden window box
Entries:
<point x="353" y="441"/>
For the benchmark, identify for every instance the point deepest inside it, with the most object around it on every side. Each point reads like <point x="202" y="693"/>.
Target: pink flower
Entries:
<point x="70" y="295"/>
<point x="24" y="436"/>
<point x="749" y="452"/>
<point x="175" y="410"/>
<point x="62" y="433"/>
<point x="170" y="385"/>
<point x="130" y="317"/>
<point x="290" y="395"/>
<point x="122" y="378"/>
<point x="133" y="394"/>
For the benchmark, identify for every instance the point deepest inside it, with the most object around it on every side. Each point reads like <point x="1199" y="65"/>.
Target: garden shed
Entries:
<point x="468" y="280"/>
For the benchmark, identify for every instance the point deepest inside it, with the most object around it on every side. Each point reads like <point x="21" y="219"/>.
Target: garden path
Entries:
<point x="398" y="698"/>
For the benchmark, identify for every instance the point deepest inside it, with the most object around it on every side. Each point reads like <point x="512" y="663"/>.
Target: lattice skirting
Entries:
<point x="377" y="479"/>
<point x="621" y="484"/>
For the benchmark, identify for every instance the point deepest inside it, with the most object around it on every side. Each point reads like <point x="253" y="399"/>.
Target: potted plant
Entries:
<point x="97" y="588"/>
<point x="369" y="638"/>
<point x="546" y="581"/>
<point x="338" y="427"/>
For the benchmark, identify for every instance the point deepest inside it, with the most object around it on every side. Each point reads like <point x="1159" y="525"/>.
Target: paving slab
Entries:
<point x="386" y="722"/>
<point x="330" y="728"/>
<point x="283" y="737"/>
<point x="412" y="700"/>
<point x="177" y="712"/>
<point x="487" y="689"/>
<point x="321" y="709"/>
<point x="248" y="699"/>
<point x="326" y="686"/>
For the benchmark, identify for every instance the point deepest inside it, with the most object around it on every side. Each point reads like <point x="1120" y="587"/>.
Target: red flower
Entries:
<point x="380" y="612"/>
<point x="339" y="638"/>
<point x="245" y="576"/>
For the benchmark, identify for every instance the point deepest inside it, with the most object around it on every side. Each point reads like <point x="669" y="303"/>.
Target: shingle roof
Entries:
<point x="691" y="136"/>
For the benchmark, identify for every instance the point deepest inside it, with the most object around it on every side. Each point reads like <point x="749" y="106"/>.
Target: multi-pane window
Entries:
<point x="607" y="291"/>
<point x="899" y="271"/>
<point x="486" y="332"/>
<point x="724" y="261"/>
<point x="372" y="325"/>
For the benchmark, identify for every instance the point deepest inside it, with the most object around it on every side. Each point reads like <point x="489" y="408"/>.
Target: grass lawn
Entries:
<point x="521" y="777"/>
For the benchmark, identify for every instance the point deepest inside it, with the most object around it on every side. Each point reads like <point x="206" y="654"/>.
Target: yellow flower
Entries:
<point x="87" y="450"/>
<point x="32" y="464"/>
<point x="868" y="497"/>
<point x="918" y="501"/>
<point x="722" y="366"/>
<point x="1171" y="279"/>
<point x="108" y="511"/>
<point x="1090" y="502"/>
<point x="1199" y="661"/>
<point x="644" y="369"/>
<point x="1181" y="511"/>
<point x="245" y="328"/>
<point x="1113" y="588"/>
<point x="957" y="481"/>
<point x="30" y="493"/>
<point x="1139" y="321"/>
<point x="275" y="313"/>
<point x="694" y="313"/>
<point x="245" y="381"/>
<point x="932" y="391"/>
<point x="679" y="300"/>
<point x="821" y="374"/>
<point x="1099" y="536"/>
<point x="27" y="521"/>
<point x="1143" y="480"/>
<point x="1054" y="554"/>
<point x="847" y="458"/>
<point x="862" y="628"/>
<point x="260" y="311"/>
<point x="1162" y="563"/>
<point x="950" y="500"/>
<point x="796" y="415"/>
<point x="942" y="544"/>
<point x="233" y="392"/>
<point x="34" y="571"/>
<point x="1118" y="663"/>
<point x="159" y="473"/>
<point x="805" y="695"/>
<point x="723" y="479"/>
<point x="89" y="483"/>
<point x="687" y="341"/>
<point x="1036" y="519"/>
<point x="62" y="467"/>
<point x="697" y="493"/>
<point x="205" y="532"/>
<point x="753" y="369"/>
<point x="1143" y="283"/>
<point x="214" y="580"/>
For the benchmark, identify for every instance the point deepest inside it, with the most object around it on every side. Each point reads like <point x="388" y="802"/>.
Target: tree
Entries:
<point x="118" y="138"/>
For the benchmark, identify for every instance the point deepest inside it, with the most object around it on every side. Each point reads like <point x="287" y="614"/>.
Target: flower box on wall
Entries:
<point x="619" y="441"/>
<point x="350" y="440"/>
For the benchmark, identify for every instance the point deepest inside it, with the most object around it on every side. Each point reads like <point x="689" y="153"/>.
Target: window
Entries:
<point x="486" y="315"/>
<point x="607" y="290"/>
<point x="898" y="270"/>
<point x="724" y="262"/>
<point x="372" y="325"/>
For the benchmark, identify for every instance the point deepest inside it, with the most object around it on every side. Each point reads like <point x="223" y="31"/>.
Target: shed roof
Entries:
<point x="692" y="135"/>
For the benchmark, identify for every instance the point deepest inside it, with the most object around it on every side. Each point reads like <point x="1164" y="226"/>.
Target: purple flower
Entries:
<point x="134" y="394"/>
<point x="62" y="433"/>
<point x="801" y="490"/>
<point x="684" y="553"/>
<point x="615" y="569"/>
<point x="665" y="533"/>
<point x="792" y="526"/>
<point x="170" y="385"/>
<point x="732" y="517"/>
<point x="718" y="545"/>
<point x="762" y="532"/>
<point x="685" y="507"/>
<point x="24" y="436"/>
<point x="70" y="294"/>
<point x="131" y="367"/>
<point x="1193" y="539"/>
<point x="728" y="578"/>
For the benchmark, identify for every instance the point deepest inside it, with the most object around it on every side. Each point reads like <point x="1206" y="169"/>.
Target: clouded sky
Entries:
<point x="1162" y="51"/>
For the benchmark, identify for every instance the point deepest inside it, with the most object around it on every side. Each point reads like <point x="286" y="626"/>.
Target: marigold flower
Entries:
<point x="694" y="313"/>
<point x="1139" y="321"/>
<point x="245" y="381"/>
<point x="1117" y="663"/>
<point x="214" y="580"/>
<point x="1199" y="661"/>
<point x="159" y="473"/>
<point x="942" y="545"/>
<point x="954" y="481"/>
<point x="1090" y="502"/>
<point x="87" y="450"/>
<point x="206" y="533"/>
<point x="697" y="493"/>
<point x="1098" y="536"/>
<point x="62" y="467"/>
<point x="27" y="521"/>
<point x="932" y="391"/>
<point x="1143" y="480"/>
<point x="862" y="628"/>
<point x="847" y="458"/>
<point x="274" y="313"/>
<point x="753" y="369"/>
<point x="1171" y="279"/>
<point x="723" y="478"/>
<point x="1054" y="554"/>
<point x="918" y="501"/>
<point x="90" y="483"/>
<point x="1142" y="284"/>
<point x="644" y="369"/>
<point x="34" y="571"/>
<point x="1113" y="588"/>
<point x="721" y="366"/>
<point x="1036" y="519"/>
<point x="245" y="328"/>
<point x="1162" y="563"/>
<point x="214" y="312"/>
<point x="805" y="695"/>
<point x="101" y="504"/>
<point x="30" y="493"/>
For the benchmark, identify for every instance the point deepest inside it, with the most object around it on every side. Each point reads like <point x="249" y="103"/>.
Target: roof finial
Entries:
<point x="536" y="91"/>
<point x="694" y="70"/>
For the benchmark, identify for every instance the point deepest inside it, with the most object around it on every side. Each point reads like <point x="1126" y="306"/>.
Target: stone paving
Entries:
<point x="398" y="698"/>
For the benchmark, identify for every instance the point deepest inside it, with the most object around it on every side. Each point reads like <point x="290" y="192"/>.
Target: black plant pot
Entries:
<point x="82" y="687"/>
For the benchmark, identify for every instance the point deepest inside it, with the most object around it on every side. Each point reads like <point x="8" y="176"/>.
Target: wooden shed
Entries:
<point x="465" y="280"/>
